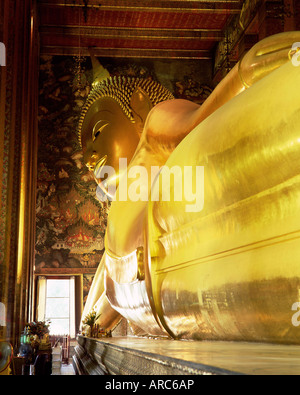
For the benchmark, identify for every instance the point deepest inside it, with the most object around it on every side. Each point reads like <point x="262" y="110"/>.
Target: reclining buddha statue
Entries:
<point x="203" y="232"/>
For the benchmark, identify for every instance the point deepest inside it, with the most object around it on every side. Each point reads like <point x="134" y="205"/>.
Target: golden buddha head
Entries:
<point x="113" y="118"/>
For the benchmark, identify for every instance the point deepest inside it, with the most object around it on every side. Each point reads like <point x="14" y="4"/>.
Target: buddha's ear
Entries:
<point x="141" y="105"/>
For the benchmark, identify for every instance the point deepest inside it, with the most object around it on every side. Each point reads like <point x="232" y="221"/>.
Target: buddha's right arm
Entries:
<point x="263" y="58"/>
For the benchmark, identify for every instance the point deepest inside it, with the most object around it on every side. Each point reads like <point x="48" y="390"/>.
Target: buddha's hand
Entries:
<point x="269" y="54"/>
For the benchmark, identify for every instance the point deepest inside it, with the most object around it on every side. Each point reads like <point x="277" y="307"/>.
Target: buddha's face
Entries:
<point x="107" y="135"/>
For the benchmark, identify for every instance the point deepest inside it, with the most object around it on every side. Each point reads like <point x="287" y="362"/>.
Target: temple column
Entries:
<point x="18" y="153"/>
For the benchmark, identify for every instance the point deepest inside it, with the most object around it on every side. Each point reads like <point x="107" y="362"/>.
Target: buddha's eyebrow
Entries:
<point x="98" y="128"/>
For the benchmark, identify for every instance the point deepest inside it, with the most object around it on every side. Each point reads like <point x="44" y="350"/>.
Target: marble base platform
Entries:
<point x="139" y="356"/>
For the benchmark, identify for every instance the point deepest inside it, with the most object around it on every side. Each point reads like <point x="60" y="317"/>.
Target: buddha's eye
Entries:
<point x="98" y="128"/>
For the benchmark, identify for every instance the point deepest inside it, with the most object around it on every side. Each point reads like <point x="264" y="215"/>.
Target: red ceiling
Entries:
<point x="136" y="19"/>
<point x="134" y="28"/>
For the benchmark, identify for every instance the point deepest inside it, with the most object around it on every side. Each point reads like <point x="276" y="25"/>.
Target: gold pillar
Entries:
<point x="18" y="146"/>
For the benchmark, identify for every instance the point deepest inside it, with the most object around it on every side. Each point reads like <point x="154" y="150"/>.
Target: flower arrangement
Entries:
<point x="90" y="318"/>
<point x="39" y="328"/>
<point x="37" y="335"/>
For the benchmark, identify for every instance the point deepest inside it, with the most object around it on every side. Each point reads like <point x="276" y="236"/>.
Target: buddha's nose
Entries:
<point x="92" y="161"/>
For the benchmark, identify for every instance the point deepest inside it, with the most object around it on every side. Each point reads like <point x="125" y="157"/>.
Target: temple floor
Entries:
<point x="131" y="355"/>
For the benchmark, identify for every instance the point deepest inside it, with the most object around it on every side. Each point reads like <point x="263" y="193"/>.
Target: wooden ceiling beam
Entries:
<point x="222" y="6"/>
<point x="133" y="32"/>
<point x="128" y="53"/>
